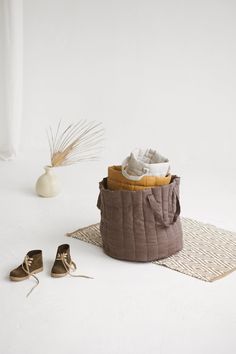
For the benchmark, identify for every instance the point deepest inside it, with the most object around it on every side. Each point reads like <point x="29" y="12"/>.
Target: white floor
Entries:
<point x="128" y="308"/>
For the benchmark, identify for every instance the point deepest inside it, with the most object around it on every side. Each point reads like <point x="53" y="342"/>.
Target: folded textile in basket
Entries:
<point x="116" y="180"/>
<point x="142" y="163"/>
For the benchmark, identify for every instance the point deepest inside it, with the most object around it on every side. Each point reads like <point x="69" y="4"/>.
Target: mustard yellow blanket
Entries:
<point x="117" y="181"/>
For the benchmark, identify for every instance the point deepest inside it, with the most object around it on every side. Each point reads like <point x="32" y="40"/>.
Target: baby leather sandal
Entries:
<point x="32" y="264"/>
<point x="63" y="264"/>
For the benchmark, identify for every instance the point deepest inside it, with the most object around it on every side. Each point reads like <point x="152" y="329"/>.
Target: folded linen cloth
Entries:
<point x="142" y="163"/>
<point x="116" y="181"/>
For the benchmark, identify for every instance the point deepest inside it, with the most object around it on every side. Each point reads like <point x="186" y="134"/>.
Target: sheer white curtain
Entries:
<point x="11" y="73"/>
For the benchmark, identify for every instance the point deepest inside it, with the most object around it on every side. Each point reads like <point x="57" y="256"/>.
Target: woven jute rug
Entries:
<point x="209" y="253"/>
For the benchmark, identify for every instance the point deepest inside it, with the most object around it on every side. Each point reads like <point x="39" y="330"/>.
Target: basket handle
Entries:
<point x="99" y="201"/>
<point x="158" y="211"/>
<point x="178" y="208"/>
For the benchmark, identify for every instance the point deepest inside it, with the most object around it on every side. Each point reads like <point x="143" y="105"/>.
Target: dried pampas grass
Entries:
<point x="78" y="142"/>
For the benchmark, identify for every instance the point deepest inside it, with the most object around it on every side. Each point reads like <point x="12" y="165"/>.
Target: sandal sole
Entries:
<point x="26" y="277"/>
<point x="54" y="275"/>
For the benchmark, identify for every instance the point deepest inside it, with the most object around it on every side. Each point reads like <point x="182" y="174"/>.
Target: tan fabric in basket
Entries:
<point x="117" y="181"/>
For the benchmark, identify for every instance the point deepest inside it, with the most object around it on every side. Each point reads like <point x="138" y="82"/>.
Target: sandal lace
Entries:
<point x="26" y="268"/>
<point x="69" y="267"/>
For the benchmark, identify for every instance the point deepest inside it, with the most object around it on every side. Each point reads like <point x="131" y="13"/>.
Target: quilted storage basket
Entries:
<point x="141" y="225"/>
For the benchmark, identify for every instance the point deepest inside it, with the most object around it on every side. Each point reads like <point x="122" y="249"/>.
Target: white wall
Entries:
<point x="157" y="73"/>
<point x="2" y="67"/>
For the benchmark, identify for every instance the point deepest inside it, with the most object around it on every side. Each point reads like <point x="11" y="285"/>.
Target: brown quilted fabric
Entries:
<point x="141" y="225"/>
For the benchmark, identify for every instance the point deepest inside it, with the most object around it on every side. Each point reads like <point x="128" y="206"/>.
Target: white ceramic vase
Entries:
<point x="48" y="184"/>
